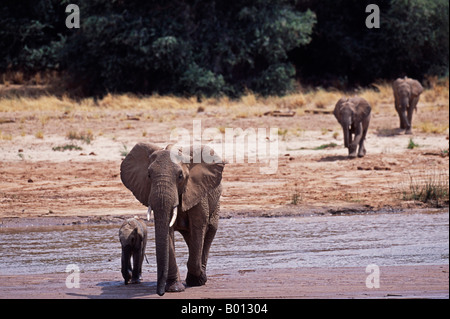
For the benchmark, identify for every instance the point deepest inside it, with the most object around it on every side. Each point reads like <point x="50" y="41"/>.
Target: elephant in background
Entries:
<point x="406" y="94"/>
<point x="133" y="238"/>
<point x="183" y="192"/>
<point x="354" y="116"/>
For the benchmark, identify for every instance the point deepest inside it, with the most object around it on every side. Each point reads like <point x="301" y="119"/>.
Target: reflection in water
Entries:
<point x="247" y="243"/>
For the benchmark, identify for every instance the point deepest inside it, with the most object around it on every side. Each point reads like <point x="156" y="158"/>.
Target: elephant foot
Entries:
<point x="136" y="279"/>
<point x="408" y="131"/>
<point x="194" y="281"/>
<point x="126" y="276"/>
<point x="352" y="151"/>
<point x="174" y="286"/>
<point x="361" y="153"/>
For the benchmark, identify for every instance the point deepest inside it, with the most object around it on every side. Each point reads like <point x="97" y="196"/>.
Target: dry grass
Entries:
<point x="323" y="99"/>
<point x="5" y="136"/>
<point x="439" y="90"/>
<point x="428" y="187"/>
<point x="430" y="127"/>
<point x="85" y="136"/>
<point x="248" y="105"/>
<point x="39" y="135"/>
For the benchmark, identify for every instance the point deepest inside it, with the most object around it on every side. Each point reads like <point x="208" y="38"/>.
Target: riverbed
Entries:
<point x="355" y="240"/>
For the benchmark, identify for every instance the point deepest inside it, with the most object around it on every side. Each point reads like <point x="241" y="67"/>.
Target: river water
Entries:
<point x="244" y="244"/>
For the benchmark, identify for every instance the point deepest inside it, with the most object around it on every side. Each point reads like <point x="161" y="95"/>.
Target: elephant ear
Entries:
<point x="134" y="171"/>
<point x="337" y="108"/>
<point x="205" y="174"/>
<point x="362" y="109"/>
<point x="397" y="83"/>
<point x="416" y="87"/>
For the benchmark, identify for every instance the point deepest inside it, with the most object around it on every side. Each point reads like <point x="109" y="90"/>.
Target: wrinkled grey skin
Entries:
<point x="354" y="116"/>
<point x="194" y="189"/>
<point x="133" y="238"/>
<point x="406" y="95"/>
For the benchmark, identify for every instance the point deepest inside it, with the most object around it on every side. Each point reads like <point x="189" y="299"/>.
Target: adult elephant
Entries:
<point x="406" y="95"/>
<point x="184" y="195"/>
<point x="354" y="116"/>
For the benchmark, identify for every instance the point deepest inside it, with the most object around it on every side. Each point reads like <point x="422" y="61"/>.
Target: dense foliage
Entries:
<point x="211" y="47"/>
<point x="413" y="40"/>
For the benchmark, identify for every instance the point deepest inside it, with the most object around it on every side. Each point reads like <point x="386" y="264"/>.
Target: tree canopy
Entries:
<point x="200" y="47"/>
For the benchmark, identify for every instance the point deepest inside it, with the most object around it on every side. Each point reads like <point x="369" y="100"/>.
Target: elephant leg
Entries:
<point x="404" y="119"/>
<point x="197" y="230"/>
<point x="354" y="144"/>
<point x="137" y="258"/>
<point x="408" y="126"/>
<point x="173" y="283"/>
<point x="412" y="106"/>
<point x="126" y="264"/>
<point x="399" y="112"/>
<point x="365" y="125"/>
<point x="209" y="237"/>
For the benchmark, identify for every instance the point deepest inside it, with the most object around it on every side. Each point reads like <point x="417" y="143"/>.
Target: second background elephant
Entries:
<point x="406" y="95"/>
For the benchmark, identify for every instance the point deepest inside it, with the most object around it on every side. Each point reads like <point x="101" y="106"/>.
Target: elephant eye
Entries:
<point x="180" y="175"/>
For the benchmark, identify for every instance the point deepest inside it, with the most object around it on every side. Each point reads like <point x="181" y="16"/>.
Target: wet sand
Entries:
<point x="425" y="281"/>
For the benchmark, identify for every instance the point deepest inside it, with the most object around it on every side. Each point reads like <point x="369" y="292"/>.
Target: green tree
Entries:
<point x="186" y="47"/>
<point x="417" y="37"/>
<point x="32" y="34"/>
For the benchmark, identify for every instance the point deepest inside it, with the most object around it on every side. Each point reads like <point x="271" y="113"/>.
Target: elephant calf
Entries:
<point x="354" y="116"/>
<point x="406" y="95"/>
<point x="133" y="238"/>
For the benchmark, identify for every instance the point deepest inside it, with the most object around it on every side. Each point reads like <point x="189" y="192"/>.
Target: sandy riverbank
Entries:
<point x="425" y="281"/>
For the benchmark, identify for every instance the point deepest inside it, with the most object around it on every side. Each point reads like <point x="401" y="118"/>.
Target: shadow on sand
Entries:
<point x="117" y="289"/>
<point x="334" y="158"/>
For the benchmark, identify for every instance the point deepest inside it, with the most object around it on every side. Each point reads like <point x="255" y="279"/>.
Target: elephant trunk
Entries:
<point x="163" y="202"/>
<point x="404" y="105"/>
<point x="162" y="255"/>
<point x="346" y="135"/>
<point x="404" y="102"/>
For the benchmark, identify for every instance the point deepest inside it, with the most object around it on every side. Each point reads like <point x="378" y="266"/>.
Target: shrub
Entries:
<point x="432" y="188"/>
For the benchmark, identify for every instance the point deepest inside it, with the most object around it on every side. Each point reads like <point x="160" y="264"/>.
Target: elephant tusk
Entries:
<point x="149" y="213"/>
<point x="174" y="216"/>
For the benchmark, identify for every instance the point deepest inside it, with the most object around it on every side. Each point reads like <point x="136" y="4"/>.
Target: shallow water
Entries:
<point x="247" y="243"/>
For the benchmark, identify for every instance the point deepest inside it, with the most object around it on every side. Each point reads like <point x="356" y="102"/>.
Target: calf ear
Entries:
<point x="362" y="109"/>
<point x="203" y="177"/>
<point x="337" y="108"/>
<point x="134" y="171"/>
<point x="416" y="87"/>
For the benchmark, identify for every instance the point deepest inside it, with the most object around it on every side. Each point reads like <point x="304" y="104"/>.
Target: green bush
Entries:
<point x="199" y="81"/>
<point x="276" y="79"/>
<point x="186" y="48"/>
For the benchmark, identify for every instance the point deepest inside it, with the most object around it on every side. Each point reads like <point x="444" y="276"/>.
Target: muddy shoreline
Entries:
<point x="47" y="221"/>
<point x="396" y="282"/>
